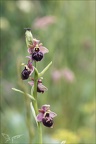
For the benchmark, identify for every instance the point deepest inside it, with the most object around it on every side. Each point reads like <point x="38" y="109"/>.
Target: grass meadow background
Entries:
<point x="67" y="29"/>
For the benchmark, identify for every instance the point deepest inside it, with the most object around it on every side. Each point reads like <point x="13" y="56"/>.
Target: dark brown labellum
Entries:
<point x="25" y="74"/>
<point x="47" y="122"/>
<point x="40" y="90"/>
<point x="37" y="55"/>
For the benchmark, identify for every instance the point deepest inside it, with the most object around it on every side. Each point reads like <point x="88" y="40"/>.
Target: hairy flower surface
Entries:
<point x="25" y="74"/>
<point x="37" y="54"/>
<point x="46" y="116"/>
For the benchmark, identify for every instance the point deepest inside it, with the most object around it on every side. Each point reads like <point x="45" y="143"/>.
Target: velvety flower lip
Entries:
<point x="46" y="116"/>
<point x="47" y="121"/>
<point x="40" y="87"/>
<point x="25" y="74"/>
<point x="37" y="54"/>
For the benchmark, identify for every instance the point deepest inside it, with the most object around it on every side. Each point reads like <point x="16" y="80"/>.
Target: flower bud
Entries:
<point x="29" y="38"/>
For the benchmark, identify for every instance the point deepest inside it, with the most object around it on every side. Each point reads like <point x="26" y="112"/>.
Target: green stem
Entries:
<point x="28" y="119"/>
<point x="36" y="105"/>
<point x="35" y="92"/>
<point x="39" y="133"/>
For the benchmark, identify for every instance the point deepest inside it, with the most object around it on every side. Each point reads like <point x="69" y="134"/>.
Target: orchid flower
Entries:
<point x="46" y="116"/>
<point x="37" y="50"/>
<point x="40" y="87"/>
<point x="28" y="70"/>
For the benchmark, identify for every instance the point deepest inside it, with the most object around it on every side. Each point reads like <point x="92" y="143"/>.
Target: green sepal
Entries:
<point x="17" y="90"/>
<point x="29" y="38"/>
<point x="33" y="112"/>
<point x="44" y="70"/>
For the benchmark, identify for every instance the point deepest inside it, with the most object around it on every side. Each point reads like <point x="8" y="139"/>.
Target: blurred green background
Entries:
<point x="67" y="29"/>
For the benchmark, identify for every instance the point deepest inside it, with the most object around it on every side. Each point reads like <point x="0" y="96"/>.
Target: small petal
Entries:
<point x="40" y="117"/>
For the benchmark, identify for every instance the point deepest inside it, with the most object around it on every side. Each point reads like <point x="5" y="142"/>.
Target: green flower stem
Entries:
<point x="36" y="106"/>
<point x="35" y="92"/>
<point x="28" y="119"/>
<point x="39" y="133"/>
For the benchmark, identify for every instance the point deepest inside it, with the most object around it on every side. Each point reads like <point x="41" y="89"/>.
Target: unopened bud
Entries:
<point x="29" y="37"/>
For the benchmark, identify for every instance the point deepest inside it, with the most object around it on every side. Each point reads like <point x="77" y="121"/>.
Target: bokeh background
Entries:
<point x="67" y="29"/>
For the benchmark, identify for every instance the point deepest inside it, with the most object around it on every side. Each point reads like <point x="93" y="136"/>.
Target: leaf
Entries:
<point x="30" y="96"/>
<point x="34" y="114"/>
<point x="17" y="90"/>
<point x="45" y="69"/>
